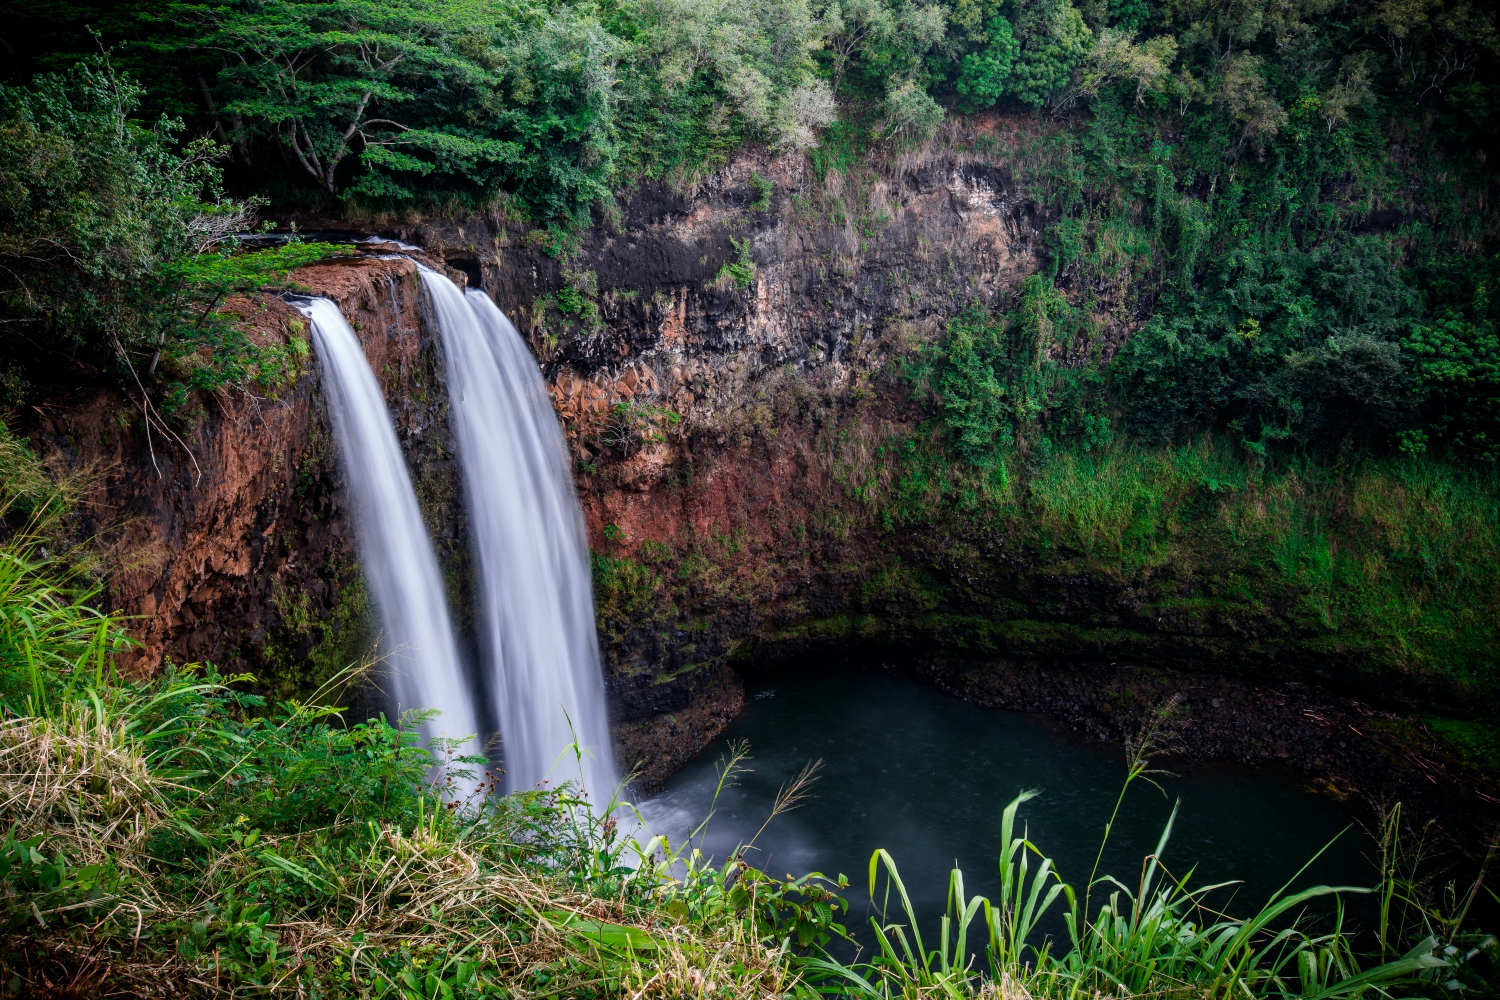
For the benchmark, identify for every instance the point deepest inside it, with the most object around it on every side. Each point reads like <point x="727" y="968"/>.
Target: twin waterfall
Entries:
<point x="536" y="599"/>
<point x="538" y="649"/>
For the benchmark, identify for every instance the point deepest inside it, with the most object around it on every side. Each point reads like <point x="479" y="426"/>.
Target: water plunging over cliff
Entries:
<point x="536" y="603"/>
<point x="395" y="552"/>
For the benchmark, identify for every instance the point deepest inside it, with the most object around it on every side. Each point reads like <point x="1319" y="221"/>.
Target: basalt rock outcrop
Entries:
<point x="225" y="531"/>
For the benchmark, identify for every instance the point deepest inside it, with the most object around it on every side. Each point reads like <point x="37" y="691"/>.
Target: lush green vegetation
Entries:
<point x="1377" y="571"/>
<point x="1261" y="352"/>
<point x="1287" y="207"/>
<point x="179" y="825"/>
<point x="178" y="831"/>
<point x="118" y="250"/>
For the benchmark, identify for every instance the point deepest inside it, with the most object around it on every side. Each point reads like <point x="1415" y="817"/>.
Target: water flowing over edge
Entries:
<point x="395" y="552"/>
<point x="536" y="607"/>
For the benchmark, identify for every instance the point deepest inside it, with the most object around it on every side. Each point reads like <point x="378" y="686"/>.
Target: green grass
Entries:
<point x="1479" y="741"/>
<point x="1392" y="562"/>
<point x="179" y="830"/>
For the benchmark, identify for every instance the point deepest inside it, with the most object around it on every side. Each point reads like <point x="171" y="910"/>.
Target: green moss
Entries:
<point x="900" y="588"/>
<point x="1391" y="565"/>
<point x="1478" y="741"/>
<point x="627" y="588"/>
<point x="311" y="645"/>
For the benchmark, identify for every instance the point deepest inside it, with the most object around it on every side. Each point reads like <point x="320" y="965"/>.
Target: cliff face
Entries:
<point x="727" y="366"/>
<point x="230" y="539"/>
<point x="697" y="347"/>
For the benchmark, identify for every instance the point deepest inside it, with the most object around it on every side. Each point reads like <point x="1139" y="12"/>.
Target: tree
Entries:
<point x="1037" y="58"/>
<point x="325" y="76"/>
<point x="889" y="59"/>
<point x="911" y="114"/>
<point x="750" y="59"/>
<point x="1051" y="50"/>
<point x="117" y="247"/>
<point x="985" y="73"/>
<point x="1116" y="57"/>
<point x="90" y="205"/>
<point x="851" y="25"/>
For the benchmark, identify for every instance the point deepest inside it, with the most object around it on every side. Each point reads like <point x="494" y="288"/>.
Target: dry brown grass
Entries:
<point x="80" y="781"/>
<point x="420" y="892"/>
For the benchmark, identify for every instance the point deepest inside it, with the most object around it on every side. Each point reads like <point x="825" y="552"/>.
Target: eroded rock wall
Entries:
<point x="719" y="339"/>
<point x="225" y="530"/>
<point x="675" y="338"/>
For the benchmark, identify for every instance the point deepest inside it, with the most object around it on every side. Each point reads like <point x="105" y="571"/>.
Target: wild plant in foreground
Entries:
<point x="284" y="853"/>
<point x="795" y="913"/>
<point x="1159" y="937"/>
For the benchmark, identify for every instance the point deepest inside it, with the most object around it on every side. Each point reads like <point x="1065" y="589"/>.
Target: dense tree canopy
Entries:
<point x="1297" y="193"/>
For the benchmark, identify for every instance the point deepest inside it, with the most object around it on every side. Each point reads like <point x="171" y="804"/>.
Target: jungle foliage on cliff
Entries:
<point x="118" y="248"/>
<point x="1268" y="229"/>
<point x="1287" y="206"/>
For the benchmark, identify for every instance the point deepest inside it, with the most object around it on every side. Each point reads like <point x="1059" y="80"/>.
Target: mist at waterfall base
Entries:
<point x="539" y="650"/>
<point x="396" y="555"/>
<point x="926" y="777"/>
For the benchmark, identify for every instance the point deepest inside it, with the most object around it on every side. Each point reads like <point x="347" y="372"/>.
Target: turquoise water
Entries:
<point x="926" y="777"/>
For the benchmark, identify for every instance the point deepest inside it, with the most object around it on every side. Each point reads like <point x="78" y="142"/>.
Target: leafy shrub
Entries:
<point x="998" y="387"/>
<point x="118" y="248"/>
<point x="762" y="188"/>
<point x="93" y="205"/>
<point x="740" y="272"/>
<point x="630" y="425"/>
<point x="1456" y="364"/>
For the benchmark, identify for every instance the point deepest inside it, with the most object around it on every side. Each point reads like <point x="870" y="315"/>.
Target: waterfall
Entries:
<point x="399" y="565"/>
<point x="536" y="602"/>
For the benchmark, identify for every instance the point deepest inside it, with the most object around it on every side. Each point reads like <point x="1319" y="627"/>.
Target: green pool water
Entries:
<point x="926" y="777"/>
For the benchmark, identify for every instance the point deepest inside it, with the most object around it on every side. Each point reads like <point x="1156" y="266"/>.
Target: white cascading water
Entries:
<point x="395" y="552"/>
<point x="536" y="600"/>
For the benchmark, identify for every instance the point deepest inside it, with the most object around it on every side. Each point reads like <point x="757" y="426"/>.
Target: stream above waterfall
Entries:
<point x="927" y="776"/>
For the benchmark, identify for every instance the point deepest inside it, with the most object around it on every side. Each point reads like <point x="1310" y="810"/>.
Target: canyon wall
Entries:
<point x="728" y="363"/>
<point x="673" y="336"/>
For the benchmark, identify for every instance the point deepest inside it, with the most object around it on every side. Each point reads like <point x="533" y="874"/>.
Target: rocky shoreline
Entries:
<point x="654" y="749"/>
